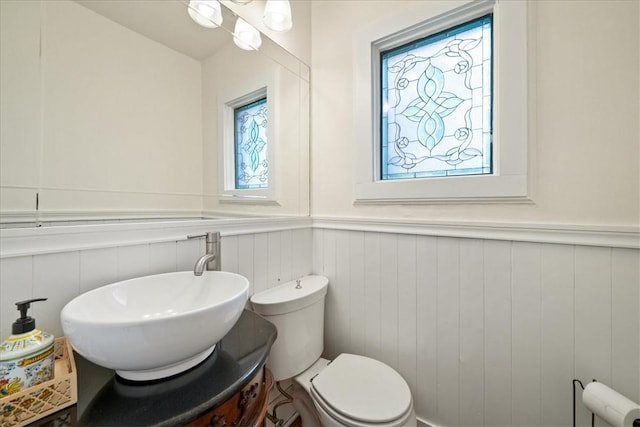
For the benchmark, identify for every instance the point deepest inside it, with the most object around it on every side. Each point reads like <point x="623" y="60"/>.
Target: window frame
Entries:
<point x="263" y="85"/>
<point x="511" y="178"/>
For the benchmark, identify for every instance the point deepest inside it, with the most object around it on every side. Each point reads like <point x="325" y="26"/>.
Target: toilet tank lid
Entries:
<point x="287" y="297"/>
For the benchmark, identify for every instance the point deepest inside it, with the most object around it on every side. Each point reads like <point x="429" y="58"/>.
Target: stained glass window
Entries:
<point x="436" y="117"/>
<point x="250" y="145"/>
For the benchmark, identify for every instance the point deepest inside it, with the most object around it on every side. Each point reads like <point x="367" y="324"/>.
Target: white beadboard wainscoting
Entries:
<point x="488" y="323"/>
<point x="60" y="263"/>
<point x="487" y="332"/>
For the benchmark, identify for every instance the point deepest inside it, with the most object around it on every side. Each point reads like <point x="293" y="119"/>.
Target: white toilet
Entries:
<point x="351" y="390"/>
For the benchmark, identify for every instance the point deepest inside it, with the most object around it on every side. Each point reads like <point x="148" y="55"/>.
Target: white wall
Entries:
<point x="491" y="330"/>
<point x="585" y="129"/>
<point x="94" y="116"/>
<point x="20" y="104"/>
<point x="486" y="332"/>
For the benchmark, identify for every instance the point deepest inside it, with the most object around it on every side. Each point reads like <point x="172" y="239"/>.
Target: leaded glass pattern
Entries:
<point x="250" y="145"/>
<point x="436" y="117"/>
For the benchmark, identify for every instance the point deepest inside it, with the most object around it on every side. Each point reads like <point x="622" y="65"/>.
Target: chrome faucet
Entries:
<point x="211" y="259"/>
<point x="203" y="262"/>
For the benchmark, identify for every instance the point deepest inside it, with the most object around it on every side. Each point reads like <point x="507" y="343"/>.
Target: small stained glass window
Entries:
<point x="436" y="117"/>
<point x="250" y="145"/>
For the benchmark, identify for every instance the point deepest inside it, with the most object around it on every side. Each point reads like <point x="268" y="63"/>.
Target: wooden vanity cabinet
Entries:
<point x="247" y="407"/>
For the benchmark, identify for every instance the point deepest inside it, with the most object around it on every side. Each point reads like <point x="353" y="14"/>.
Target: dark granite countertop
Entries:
<point x="105" y="399"/>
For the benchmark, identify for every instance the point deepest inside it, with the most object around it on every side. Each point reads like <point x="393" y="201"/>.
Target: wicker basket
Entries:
<point x="37" y="402"/>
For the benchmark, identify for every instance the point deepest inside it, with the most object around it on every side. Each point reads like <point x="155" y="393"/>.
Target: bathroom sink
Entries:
<point x="156" y="326"/>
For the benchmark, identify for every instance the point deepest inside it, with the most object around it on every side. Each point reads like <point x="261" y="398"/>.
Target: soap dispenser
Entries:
<point x="26" y="357"/>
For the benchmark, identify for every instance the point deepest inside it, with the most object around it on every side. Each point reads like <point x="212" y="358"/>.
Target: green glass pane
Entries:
<point x="436" y="97"/>
<point x="252" y="166"/>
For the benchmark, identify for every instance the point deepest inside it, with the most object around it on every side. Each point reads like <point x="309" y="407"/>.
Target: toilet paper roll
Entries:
<point x="611" y="406"/>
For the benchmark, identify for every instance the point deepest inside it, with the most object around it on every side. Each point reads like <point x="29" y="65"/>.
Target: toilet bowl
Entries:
<point x="351" y="390"/>
<point x="356" y="391"/>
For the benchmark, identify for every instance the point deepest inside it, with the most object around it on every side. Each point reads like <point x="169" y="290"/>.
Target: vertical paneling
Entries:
<point x="56" y="277"/>
<point x="471" y="332"/>
<point x="389" y="298"/>
<point x="332" y="329"/>
<point x="592" y="317"/>
<point x="260" y="261"/>
<point x="485" y="332"/>
<point x="162" y="257"/>
<point x="407" y="309"/>
<point x="526" y="320"/>
<point x="286" y="256"/>
<point x="372" y="295"/>
<point x="625" y="319"/>
<point x="497" y="343"/>
<point x="16" y="284"/>
<point x="99" y="267"/>
<point x="187" y="253"/>
<point x="133" y="261"/>
<point x="341" y="287"/>
<point x="357" y="292"/>
<point x="557" y="334"/>
<point x="448" y="333"/>
<point x="229" y="255"/>
<point x="246" y="259"/>
<point x="426" y="398"/>
<point x="316" y="252"/>
<point x="301" y="247"/>
<point x="274" y="258"/>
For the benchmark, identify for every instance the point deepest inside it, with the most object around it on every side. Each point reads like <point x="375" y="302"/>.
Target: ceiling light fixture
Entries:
<point x="245" y="36"/>
<point x="277" y="15"/>
<point x="207" y="13"/>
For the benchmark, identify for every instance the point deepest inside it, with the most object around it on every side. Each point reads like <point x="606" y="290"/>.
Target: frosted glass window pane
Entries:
<point x="437" y="104"/>
<point x="250" y="122"/>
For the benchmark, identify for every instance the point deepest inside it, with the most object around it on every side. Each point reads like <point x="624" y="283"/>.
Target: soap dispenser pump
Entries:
<point x="26" y="357"/>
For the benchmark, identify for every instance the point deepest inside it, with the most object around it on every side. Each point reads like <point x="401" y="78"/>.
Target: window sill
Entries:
<point x="361" y="201"/>
<point x="463" y="189"/>
<point x="247" y="200"/>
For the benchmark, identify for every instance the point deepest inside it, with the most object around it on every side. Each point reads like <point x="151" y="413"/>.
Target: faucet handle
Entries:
<point x="212" y="237"/>
<point x="195" y="236"/>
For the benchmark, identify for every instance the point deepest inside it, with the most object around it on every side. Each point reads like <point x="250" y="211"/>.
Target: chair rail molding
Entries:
<point x="570" y="234"/>
<point x="16" y="242"/>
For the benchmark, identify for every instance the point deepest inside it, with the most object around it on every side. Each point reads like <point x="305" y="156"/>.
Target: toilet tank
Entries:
<point x="296" y="308"/>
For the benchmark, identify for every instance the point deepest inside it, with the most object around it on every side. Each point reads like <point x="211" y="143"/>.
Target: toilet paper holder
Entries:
<point x="593" y="416"/>
<point x="614" y="408"/>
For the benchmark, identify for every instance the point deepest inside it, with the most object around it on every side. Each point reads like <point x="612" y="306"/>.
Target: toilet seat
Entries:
<point x="333" y="419"/>
<point x="358" y="390"/>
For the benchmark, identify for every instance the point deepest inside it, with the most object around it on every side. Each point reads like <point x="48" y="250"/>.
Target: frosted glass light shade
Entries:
<point x="277" y="15"/>
<point x="207" y="13"/>
<point x="245" y="36"/>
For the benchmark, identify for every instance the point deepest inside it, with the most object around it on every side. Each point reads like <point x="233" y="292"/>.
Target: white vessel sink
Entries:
<point x="155" y="326"/>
